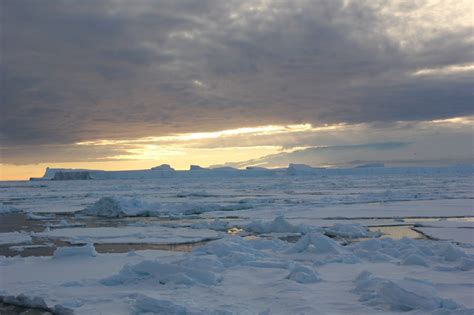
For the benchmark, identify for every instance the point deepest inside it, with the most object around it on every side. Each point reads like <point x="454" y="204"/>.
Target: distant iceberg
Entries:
<point x="196" y="168"/>
<point x="166" y="171"/>
<point x="163" y="167"/>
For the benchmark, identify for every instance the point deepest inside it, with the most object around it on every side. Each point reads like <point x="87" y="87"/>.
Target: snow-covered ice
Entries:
<point x="77" y="251"/>
<point x="243" y="276"/>
<point x="155" y="234"/>
<point x="4" y="209"/>
<point x="14" y="238"/>
<point x="293" y="241"/>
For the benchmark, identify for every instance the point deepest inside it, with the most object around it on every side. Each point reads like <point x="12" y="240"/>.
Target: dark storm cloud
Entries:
<point x="75" y="71"/>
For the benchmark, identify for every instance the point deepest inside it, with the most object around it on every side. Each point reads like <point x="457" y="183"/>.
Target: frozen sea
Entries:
<point x="341" y="243"/>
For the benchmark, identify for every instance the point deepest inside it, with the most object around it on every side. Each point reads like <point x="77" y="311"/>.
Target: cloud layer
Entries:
<point x="84" y="70"/>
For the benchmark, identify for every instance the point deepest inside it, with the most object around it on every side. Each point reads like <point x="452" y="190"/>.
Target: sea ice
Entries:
<point x="216" y="224"/>
<point x="148" y="234"/>
<point x="116" y="207"/>
<point x="15" y="238"/>
<point x="155" y="273"/>
<point x="278" y="225"/>
<point x="5" y="209"/>
<point x="303" y="274"/>
<point x="349" y="231"/>
<point x="316" y="243"/>
<point x="405" y="295"/>
<point x="145" y="305"/>
<point x="87" y="250"/>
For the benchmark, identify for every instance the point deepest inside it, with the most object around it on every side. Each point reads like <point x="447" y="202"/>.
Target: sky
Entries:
<point x="115" y="84"/>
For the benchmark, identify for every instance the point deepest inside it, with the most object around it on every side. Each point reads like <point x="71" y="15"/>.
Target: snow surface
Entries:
<point x="14" y="238"/>
<point x="151" y="234"/>
<point x="5" y="209"/>
<point x="117" y="207"/>
<point x="349" y="231"/>
<point x="315" y="275"/>
<point x="354" y="271"/>
<point x="402" y="295"/>
<point x="456" y="230"/>
<point x="78" y="251"/>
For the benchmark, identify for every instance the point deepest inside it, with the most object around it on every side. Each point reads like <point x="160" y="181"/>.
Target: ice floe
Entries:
<point x="403" y="295"/>
<point x="5" y="209"/>
<point x="155" y="273"/>
<point x="118" y="207"/>
<point x="278" y="225"/>
<point x="349" y="231"/>
<point x="148" y="234"/>
<point x="87" y="250"/>
<point x="15" y="238"/>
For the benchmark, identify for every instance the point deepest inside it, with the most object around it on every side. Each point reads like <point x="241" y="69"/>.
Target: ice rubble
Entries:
<point x="281" y="225"/>
<point x="118" y="207"/>
<point x="146" y="305"/>
<point x="155" y="273"/>
<point x="408" y="252"/>
<point x="206" y="266"/>
<point x="234" y="250"/>
<point x="6" y="209"/>
<point x="35" y="302"/>
<point x="278" y="225"/>
<point x="303" y="274"/>
<point x="403" y="295"/>
<point x="209" y="269"/>
<point x="216" y="224"/>
<point x="316" y="243"/>
<point x="15" y="238"/>
<point x="87" y="250"/>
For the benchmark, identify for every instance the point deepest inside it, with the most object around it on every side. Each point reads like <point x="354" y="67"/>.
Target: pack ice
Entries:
<point x="295" y="240"/>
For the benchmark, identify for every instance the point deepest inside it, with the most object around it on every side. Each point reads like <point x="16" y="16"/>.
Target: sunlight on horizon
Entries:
<point x="253" y="131"/>
<point x="202" y="148"/>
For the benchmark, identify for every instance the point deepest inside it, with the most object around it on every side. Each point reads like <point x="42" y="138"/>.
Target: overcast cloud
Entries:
<point x="85" y="70"/>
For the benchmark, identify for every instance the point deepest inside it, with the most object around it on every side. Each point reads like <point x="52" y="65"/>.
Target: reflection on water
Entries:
<point x="46" y="246"/>
<point x="234" y="231"/>
<point x="398" y="232"/>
